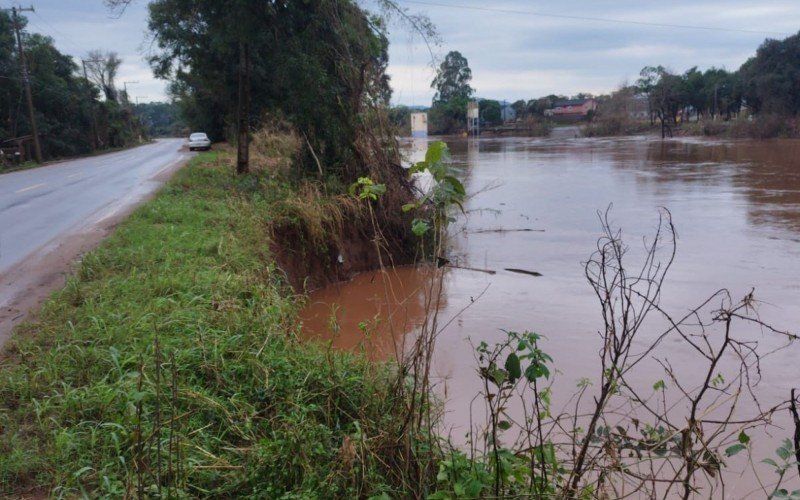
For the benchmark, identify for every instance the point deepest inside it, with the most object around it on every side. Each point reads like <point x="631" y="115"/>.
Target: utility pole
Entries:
<point x="125" y="89"/>
<point x="243" y="126"/>
<point x="37" y="147"/>
<point x="95" y="139"/>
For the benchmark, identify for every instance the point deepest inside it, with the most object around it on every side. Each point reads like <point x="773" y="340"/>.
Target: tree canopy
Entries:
<point x="319" y="65"/>
<point x="771" y="79"/>
<point x="64" y="102"/>
<point x="452" y="79"/>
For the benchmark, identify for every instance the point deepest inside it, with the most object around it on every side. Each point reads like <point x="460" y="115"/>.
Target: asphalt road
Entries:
<point x="41" y="209"/>
<point x="39" y="205"/>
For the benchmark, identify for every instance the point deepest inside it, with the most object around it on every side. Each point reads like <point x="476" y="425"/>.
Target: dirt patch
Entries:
<point x="28" y="285"/>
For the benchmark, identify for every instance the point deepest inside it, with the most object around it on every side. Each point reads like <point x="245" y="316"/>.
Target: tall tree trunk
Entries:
<point x="243" y="139"/>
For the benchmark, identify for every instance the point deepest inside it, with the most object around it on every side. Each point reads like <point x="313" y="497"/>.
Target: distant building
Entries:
<point x="572" y="109"/>
<point x="419" y="125"/>
<point x="473" y="118"/>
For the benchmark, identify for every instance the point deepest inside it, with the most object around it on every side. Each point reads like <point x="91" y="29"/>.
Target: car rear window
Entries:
<point x="197" y="136"/>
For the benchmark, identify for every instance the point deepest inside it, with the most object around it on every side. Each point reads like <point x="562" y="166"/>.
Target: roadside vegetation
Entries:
<point x="170" y="364"/>
<point x="76" y="115"/>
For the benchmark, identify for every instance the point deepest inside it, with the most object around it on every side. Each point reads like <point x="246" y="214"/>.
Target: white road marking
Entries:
<point x="74" y="175"/>
<point x="30" y="187"/>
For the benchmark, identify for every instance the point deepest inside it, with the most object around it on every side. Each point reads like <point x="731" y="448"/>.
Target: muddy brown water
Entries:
<point x="736" y="208"/>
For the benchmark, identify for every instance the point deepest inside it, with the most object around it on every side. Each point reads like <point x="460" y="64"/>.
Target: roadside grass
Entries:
<point x="27" y="165"/>
<point x="169" y="365"/>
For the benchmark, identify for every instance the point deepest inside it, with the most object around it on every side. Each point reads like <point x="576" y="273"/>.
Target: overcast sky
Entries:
<point x="516" y="48"/>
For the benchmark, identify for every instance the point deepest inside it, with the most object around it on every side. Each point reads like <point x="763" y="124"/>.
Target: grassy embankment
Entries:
<point x="171" y="358"/>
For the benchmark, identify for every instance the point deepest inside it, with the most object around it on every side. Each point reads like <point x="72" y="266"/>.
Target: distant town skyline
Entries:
<point x="517" y="49"/>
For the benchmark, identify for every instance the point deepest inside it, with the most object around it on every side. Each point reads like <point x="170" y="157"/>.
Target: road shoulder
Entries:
<point x="25" y="288"/>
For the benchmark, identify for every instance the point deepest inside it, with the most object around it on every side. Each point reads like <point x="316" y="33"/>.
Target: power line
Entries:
<point x="593" y="19"/>
<point x="61" y="35"/>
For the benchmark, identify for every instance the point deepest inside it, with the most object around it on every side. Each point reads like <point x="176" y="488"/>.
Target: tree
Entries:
<point x="102" y="69"/>
<point x="63" y="101"/>
<point x="319" y="65"/>
<point x="9" y="85"/>
<point x="771" y="79"/>
<point x="665" y="95"/>
<point x="447" y="117"/>
<point x="722" y="92"/>
<point x="400" y="116"/>
<point x="452" y="79"/>
<point x="161" y="119"/>
<point x="520" y="107"/>
<point x="491" y="111"/>
<point x="694" y="89"/>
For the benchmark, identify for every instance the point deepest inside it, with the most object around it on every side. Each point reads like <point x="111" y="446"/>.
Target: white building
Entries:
<point x="419" y="124"/>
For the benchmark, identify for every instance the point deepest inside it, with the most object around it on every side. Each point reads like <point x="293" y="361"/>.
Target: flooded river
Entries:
<point x="735" y="205"/>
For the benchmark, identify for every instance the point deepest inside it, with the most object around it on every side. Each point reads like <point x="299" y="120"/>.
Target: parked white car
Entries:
<point x="199" y="140"/>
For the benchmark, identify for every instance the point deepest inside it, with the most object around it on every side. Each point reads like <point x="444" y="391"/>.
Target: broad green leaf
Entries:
<point x="744" y="438"/>
<point x="733" y="450"/>
<point x="418" y="167"/>
<point x="513" y="367"/>
<point x="437" y="152"/>
<point x="456" y="184"/>
<point x="474" y="488"/>
<point x="419" y="227"/>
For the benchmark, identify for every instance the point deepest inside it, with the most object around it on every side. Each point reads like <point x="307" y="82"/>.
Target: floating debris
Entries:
<point x="523" y="271"/>
<point x="524" y="230"/>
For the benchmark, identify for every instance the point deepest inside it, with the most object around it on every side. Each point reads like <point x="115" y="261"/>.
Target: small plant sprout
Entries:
<point x="365" y="189"/>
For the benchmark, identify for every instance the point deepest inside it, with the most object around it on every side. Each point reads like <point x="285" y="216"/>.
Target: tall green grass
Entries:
<point x="169" y="365"/>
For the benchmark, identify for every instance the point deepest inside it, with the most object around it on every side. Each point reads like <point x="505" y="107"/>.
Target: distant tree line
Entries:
<point x="767" y="86"/>
<point x="162" y="119"/>
<point x="75" y="115"/>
